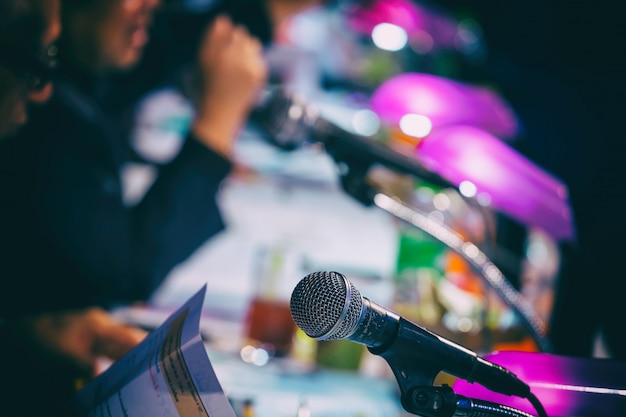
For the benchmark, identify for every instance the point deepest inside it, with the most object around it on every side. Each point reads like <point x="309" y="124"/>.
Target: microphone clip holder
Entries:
<point x="418" y="395"/>
<point x="430" y="401"/>
<point x="415" y="376"/>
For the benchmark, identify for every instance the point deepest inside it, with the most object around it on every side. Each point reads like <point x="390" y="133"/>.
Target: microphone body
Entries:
<point x="289" y="122"/>
<point x="326" y="306"/>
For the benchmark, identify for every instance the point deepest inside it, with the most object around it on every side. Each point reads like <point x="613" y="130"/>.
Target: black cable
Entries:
<point x="532" y="398"/>
<point x="471" y="407"/>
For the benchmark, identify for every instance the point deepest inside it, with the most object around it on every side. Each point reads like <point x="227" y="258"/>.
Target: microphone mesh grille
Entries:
<point x="318" y="306"/>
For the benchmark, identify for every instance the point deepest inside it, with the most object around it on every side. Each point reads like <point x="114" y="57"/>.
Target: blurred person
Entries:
<point x="67" y="207"/>
<point x="27" y="59"/>
<point x="68" y="203"/>
<point x="47" y="351"/>
<point x="42" y="354"/>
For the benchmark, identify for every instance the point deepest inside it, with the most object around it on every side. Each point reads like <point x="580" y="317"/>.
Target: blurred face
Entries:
<point x="24" y="74"/>
<point x="117" y="31"/>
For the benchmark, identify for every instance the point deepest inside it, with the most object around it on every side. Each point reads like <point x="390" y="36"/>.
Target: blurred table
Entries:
<point x="285" y="387"/>
<point x="279" y="389"/>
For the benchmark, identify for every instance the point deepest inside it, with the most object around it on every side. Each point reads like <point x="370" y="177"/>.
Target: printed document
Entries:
<point x="169" y="374"/>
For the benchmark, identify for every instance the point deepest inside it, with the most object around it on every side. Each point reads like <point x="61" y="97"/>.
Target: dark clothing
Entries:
<point x="33" y="384"/>
<point x="66" y="224"/>
<point x="68" y="240"/>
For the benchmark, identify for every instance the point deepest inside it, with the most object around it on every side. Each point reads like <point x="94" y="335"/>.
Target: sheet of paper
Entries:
<point x="168" y="374"/>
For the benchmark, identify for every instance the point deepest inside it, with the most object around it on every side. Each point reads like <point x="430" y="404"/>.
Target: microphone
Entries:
<point x="289" y="121"/>
<point x="326" y="306"/>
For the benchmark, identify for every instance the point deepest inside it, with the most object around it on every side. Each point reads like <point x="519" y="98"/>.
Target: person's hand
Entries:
<point x="76" y="340"/>
<point x="232" y="70"/>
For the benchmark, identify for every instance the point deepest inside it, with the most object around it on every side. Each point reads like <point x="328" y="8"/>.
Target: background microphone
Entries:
<point x="326" y="306"/>
<point x="289" y="121"/>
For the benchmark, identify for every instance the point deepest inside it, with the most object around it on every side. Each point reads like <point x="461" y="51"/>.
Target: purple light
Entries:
<point x="445" y="102"/>
<point x="408" y="15"/>
<point x="566" y="386"/>
<point x="402" y="13"/>
<point x="515" y="185"/>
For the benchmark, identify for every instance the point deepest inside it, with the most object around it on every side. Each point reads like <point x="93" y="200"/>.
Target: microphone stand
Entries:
<point x="418" y="395"/>
<point x="297" y="123"/>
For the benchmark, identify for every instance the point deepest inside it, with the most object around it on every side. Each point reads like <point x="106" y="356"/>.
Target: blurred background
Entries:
<point x="472" y="250"/>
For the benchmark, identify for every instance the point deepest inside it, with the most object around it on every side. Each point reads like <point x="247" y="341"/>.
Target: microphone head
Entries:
<point x="285" y="117"/>
<point x="326" y="306"/>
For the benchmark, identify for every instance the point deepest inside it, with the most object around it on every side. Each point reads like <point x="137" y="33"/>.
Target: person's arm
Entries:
<point x="177" y="215"/>
<point x="231" y="71"/>
<point x="124" y="253"/>
<point x="94" y="249"/>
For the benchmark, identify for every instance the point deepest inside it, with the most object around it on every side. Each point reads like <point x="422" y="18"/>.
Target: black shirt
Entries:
<point x="68" y="240"/>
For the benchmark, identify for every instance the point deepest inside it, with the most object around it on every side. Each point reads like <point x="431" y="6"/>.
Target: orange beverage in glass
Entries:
<point x="269" y="325"/>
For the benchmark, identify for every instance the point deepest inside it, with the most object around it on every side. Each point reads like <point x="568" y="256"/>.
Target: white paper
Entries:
<point x="168" y="374"/>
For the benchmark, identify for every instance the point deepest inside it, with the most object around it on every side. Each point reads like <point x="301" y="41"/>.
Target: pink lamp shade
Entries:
<point x="566" y="386"/>
<point x="417" y="21"/>
<point x="505" y="179"/>
<point x="444" y="102"/>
